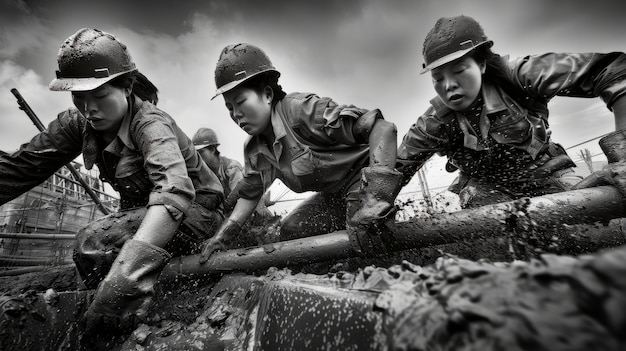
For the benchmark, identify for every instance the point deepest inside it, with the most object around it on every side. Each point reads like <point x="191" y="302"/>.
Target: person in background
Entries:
<point x="229" y="171"/>
<point x="170" y="200"/>
<point x="490" y="115"/>
<point x="343" y="153"/>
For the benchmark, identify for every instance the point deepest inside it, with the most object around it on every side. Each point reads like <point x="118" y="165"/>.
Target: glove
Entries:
<point x="614" y="147"/>
<point x="408" y="168"/>
<point x="379" y="188"/>
<point x="220" y="240"/>
<point x="129" y="286"/>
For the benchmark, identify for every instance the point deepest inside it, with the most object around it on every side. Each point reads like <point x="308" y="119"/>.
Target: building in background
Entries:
<point x="38" y="227"/>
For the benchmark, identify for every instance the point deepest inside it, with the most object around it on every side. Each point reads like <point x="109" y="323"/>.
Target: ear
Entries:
<point x="483" y="66"/>
<point x="268" y="94"/>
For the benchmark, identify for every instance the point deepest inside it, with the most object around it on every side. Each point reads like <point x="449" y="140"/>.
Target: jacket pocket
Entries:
<point x="303" y="163"/>
<point x="131" y="177"/>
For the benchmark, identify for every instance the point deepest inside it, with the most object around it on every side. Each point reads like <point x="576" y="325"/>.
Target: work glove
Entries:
<point x="128" y="288"/>
<point x="220" y="241"/>
<point x="614" y="147"/>
<point x="408" y="168"/>
<point x="379" y="188"/>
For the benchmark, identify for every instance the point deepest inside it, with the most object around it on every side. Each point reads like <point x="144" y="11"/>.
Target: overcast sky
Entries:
<point x="366" y="53"/>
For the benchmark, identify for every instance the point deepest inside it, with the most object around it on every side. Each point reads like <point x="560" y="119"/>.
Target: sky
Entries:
<point x="361" y="52"/>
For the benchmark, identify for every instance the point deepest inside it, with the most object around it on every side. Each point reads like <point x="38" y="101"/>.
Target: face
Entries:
<point x="249" y="109"/>
<point x="458" y="83"/>
<point x="210" y="157"/>
<point x="104" y="107"/>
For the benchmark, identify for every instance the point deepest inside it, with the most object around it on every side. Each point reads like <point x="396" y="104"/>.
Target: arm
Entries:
<point x="158" y="226"/>
<point x="619" y="110"/>
<point x="423" y="139"/>
<point x="577" y="75"/>
<point x="230" y="228"/>
<point x="37" y="160"/>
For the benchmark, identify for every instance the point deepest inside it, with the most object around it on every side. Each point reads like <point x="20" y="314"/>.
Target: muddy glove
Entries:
<point x="614" y="147"/>
<point x="129" y="286"/>
<point x="408" y="168"/>
<point x="227" y="232"/>
<point x="379" y="188"/>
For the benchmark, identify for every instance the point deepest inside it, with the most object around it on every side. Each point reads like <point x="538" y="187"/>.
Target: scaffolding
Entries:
<point x="37" y="229"/>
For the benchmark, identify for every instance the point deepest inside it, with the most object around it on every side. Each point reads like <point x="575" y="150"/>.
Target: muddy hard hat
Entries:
<point x="90" y="58"/>
<point x="452" y="38"/>
<point x="204" y="137"/>
<point x="238" y="63"/>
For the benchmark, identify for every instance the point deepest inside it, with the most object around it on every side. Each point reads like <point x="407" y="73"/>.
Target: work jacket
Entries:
<point x="150" y="162"/>
<point x="319" y="146"/>
<point x="230" y="172"/>
<point x="510" y="136"/>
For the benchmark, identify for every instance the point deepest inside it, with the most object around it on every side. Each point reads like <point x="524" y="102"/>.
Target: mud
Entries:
<point x="432" y="300"/>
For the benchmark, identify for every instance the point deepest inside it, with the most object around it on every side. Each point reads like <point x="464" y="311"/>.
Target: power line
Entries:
<point x="586" y="141"/>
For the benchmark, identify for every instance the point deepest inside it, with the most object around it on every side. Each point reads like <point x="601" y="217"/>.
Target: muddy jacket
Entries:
<point x="509" y="136"/>
<point x="229" y="173"/>
<point x="150" y="162"/>
<point x="319" y="146"/>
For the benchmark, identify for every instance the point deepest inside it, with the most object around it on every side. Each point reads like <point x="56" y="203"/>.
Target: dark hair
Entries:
<point x="267" y="79"/>
<point x="140" y="84"/>
<point x="497" y="72"/>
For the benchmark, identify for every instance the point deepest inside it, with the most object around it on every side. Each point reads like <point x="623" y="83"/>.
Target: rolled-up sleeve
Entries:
<point x="163" y="161"/>
<point x="576" y="75"/>
<point x="38" y="159"/>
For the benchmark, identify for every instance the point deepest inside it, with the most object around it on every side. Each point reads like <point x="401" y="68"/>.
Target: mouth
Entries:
<point x="455" y="97"/>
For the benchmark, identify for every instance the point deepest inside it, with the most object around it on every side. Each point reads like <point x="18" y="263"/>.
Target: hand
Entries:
<point x="220" y="240"/>
<point x="210" y="246"/>
<point x="372" y="212"/>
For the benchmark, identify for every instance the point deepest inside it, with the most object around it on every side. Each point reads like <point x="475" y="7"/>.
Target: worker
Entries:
<point x="490" y="115"/>
<point x="343" y="153"/>
<point x="229" y="171"/>
<point x="170" y="200"/>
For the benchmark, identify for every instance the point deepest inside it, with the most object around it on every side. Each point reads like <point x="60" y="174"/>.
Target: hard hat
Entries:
<point x="238" y="63"/>
<point x="451" y="38"/>
<point x="204" y="137"/>
<point x="90" y="58"/>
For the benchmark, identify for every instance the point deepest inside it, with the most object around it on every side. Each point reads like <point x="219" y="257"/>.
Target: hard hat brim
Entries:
<point x="202" y="146"/>
<point x="82" y="84"/>
<point x="453" y="56"/>
<point x="229" y="86"/>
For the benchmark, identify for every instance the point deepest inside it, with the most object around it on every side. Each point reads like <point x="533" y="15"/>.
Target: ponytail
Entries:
<point x="141" y="86"/>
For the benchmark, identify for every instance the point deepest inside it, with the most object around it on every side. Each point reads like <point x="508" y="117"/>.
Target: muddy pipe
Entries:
<point x="592" y="212"/>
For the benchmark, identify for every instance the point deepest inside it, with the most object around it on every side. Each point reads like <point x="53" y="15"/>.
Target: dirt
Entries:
<point x="431" y="301"/>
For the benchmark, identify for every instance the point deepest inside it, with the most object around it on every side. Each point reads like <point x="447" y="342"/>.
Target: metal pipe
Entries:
<point x="544" y="213"/>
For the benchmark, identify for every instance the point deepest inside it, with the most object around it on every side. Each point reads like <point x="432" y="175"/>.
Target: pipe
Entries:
<point x="545" y="213"/>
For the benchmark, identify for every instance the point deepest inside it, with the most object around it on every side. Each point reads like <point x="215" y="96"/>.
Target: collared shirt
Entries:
<point x="151" y="161"/>
<point x="508" y="135"/>
<point x="319" y="146"/>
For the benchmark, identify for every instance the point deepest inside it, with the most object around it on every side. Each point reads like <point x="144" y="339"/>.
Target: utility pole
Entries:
<point x="586" y="156"/>
<point x="425" y="191"/>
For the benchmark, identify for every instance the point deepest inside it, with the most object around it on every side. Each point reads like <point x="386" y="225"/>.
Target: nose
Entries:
<point x="450" y="83"/>
<point x="89" y="106"/>
<point x="236" y="113"/>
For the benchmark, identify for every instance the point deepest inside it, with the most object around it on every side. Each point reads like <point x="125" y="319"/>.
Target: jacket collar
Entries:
<point x="123" y="137"/>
